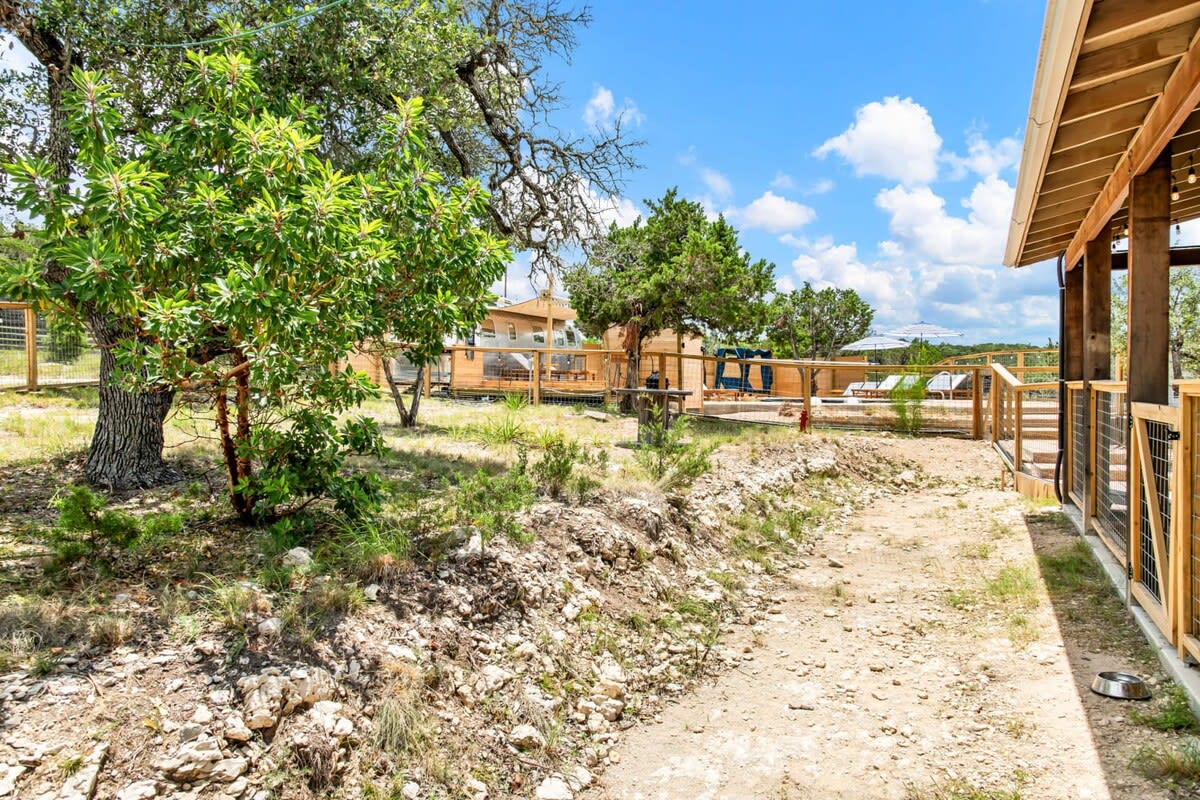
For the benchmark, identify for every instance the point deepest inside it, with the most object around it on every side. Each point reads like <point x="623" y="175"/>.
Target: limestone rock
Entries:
<point x="527" y="737"/>
<point x="82" y="785"/>
<point x="142" y="790"/>
<point x="192" y="761"/>
<point x="236" y="729"/>
<point x="298" y="558"/>
<point x="263" y="696"/>
<point x="553" y="789"/>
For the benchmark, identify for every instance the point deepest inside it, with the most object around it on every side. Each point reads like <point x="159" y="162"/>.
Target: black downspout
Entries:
<point x="1062" y="383"/>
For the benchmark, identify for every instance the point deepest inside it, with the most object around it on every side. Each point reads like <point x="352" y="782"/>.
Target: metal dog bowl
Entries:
<point x="1120" y="685"/>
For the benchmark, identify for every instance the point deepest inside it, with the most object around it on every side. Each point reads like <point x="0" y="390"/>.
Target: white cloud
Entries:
<point x="783" y="181"/>
<point x="774" y="213"/>
<point x="918" y="216"/>
<point x="984" y="157"/>
<point x="717" y="183"/>
<point x="893" y="139"/>
<point x="603" y="113"/>
<point x="823" y="186"/>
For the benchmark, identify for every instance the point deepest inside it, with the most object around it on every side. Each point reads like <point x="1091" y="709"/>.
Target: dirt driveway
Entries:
<point x="918" y="655"/>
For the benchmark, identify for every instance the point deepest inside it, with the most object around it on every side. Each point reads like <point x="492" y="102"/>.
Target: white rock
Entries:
<point x="410" y="791"/>
<point x="371" y="592"/>
<point x="492" y="678"/>
<point x="236" y="729"/>
<point x="142" y="790"/>
<point x="189" y="731"/>
<point x="271" y="626"/>
<point x="579" y="778"/>
<point x="193" y="761"/>
<point x="237" y="788"/>
<point x="554" y="789"/>
<point x="8" y="779"/>
<point x="298" y="557"/>
<point x="263" y="696"/>
<point x="402" y="652"/>
<point x="229" y="769"/>
<point x="312" y="685"/>
<point x="202" y="715"/>
<point x="477" y="788"/>
<point x="527" y="737"/>
<point x="82" y="785"/>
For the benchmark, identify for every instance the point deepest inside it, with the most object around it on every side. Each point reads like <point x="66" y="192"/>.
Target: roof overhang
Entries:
<point x="1116" y="82"/>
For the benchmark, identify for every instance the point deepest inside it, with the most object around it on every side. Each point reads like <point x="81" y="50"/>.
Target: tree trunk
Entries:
<point x="127" y="447"/>
<point x="408" y="415"/>
<point x="633" y="366"/>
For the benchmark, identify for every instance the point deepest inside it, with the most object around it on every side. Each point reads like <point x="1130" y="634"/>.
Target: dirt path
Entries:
<point x="917" y="653"/>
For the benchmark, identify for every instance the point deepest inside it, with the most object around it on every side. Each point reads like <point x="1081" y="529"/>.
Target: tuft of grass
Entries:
<point x="505" y="430"/>
<point x="960" y="790"/>
<point x="233" y="604"/>
<point x="1180" y="763"/>
<point x="515" y="401"/>
<point x="1014" y="585"/>
<point x="978" y="550"/>
<point x="1170" y="712"/>
<point x="110" y="630"/>
<point x="1071" y="571"/>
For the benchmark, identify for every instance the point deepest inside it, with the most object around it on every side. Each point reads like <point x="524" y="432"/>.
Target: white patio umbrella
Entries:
<point x="875" y="344"/>
<point x="924" y="330"/>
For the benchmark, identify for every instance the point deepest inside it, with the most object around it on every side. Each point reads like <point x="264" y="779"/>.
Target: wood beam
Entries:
<point x="1077" y="208"/>
<point x="1136" y="55"/>
<point x="1072" y="350"/>
<point x="1177" y="103"/>
<point x="1104" y="147"/>
<point x="1079" y="174"/>
<point x="1115" y="22"/>
<point x="1126" y="118"/>
<point x="1097" y="310"/>
<point x="1109" y="96"/>
<point x="1149" y="271"/>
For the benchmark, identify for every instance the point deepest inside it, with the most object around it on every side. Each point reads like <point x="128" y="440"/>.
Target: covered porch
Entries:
<point x="1107" y="174"/>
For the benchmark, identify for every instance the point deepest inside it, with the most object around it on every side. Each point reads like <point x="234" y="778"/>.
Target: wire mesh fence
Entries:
<point x="1077" y="403"/>
<point x="1160" y="446"/>
<point x="1111" y="423"/>
<point x="36" y="352"/>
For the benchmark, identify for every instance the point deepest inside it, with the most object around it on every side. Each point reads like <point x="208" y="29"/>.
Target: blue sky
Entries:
<point x="863" y="145"/>
<point x="868" y="145"/>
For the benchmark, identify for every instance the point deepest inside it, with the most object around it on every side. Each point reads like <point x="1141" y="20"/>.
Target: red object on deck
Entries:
<point x="802" y="420"/>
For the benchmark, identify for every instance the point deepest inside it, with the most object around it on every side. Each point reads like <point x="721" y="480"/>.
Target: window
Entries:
<point x="512" y="332"/>
<point x="571" y="340"/>
<point x="487" y="329"/>
<point x="539" y="334"/>
<point x="559" y="339"/>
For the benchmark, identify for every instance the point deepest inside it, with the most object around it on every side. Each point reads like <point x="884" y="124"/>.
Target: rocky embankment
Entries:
<point x="507" y="671"/>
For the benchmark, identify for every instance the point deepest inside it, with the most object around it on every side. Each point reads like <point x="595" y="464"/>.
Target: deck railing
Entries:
<point x="1133" y="472"/>
<point x="1024" y="420"/>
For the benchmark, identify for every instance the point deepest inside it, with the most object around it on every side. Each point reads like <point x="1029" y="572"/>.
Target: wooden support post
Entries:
<point x="1097" y="311"/>
<point x="679" y="360"/>
<point x="1184" y="479"/>
<point x="1018" y="425"/>
<point x="977" y="403"/>
<point x="427" y="388"/>
<point x="662" y="371"/>
<point x="1097" y="338"/>
<point x="31" y="354"/>
<point x="806" y="393"/>
<point x="537" y="378"/>
<point x="1149" y="293"/>
<point x="606" y="366"/>
<point x="996" y="422"/>
<point x="1072" y="364"/>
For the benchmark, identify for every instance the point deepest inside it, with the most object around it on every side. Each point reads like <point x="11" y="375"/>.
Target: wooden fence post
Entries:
<point x="806" y="393"/>
<point x="31" y="355"/>
<point x="1018" y="424"/>
<point x="662" y="370"/>
<point x="537" y="377"/>
<point x="995" y="407"/>
<point x="976" y="404"/>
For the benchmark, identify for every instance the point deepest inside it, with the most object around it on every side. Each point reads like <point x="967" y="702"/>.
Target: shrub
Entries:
<point x="907" y="400"/>
<point x="670" y="460"/>
<point x="490" y="504"/>
<point x="567" y="465"/>
<point x="87" y="530"/>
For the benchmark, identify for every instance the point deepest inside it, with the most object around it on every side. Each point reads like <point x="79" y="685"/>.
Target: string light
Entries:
<point x="1191" y="176"/>
<point x="1174" y="191"/>
<point x="1125" y="230"/>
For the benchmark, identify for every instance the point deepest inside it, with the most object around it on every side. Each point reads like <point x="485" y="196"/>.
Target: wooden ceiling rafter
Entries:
<point x="1124" y="76"/>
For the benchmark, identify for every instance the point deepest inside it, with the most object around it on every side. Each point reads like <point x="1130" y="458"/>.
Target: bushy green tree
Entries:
<point x="674" y="270"/>
<point x="483" y="66"/>
<point x="817" y="323"/>
<point x="246" y="267"/>
<point x="1183" y="314"/>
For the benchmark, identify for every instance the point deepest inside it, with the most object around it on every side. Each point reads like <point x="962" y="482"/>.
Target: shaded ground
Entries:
<point x="918" y="653"/>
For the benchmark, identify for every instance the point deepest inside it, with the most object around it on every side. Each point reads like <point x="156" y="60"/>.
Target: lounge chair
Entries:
<point x="948" y="385"/>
